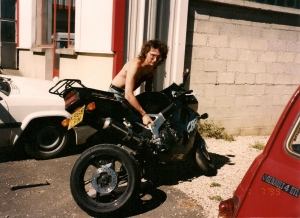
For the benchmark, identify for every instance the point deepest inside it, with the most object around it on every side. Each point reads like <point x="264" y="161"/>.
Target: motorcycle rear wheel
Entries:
<point x="104" y="179"/>
<point x="203" y="159"/>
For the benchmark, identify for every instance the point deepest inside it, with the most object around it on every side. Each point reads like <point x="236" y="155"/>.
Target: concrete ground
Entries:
<point x="55" y="199"/>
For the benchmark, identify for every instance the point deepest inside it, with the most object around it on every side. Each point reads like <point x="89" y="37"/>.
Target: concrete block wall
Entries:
<point x="244" y="62"/>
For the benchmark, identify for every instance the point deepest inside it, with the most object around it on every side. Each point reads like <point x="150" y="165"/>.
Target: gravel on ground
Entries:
<point x="239" y="155"/>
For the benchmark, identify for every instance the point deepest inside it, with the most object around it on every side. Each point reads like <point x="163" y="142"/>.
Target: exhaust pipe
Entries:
<point x="124" y="133"/>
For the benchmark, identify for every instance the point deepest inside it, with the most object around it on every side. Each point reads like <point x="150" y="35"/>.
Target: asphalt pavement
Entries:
<point x="40" y="188"/>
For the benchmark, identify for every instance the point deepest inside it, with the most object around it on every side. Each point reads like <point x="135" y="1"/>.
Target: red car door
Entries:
<point x="274" y="191"/>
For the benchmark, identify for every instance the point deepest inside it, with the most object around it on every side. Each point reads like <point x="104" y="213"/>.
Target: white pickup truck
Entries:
<point x="30" y="116"/>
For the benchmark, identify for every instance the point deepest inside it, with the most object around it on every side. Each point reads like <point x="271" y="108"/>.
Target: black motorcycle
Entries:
<point x="107" y="177"/>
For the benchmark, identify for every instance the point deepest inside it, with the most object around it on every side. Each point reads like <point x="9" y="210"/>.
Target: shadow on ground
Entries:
<point x="151" y="196"/>
<point x="10" y="154"/>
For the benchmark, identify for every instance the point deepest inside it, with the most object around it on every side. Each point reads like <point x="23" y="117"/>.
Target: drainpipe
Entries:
<point x="17" y="21"/>
<point x="117" y="42"/>
<point x="55" y="71"/>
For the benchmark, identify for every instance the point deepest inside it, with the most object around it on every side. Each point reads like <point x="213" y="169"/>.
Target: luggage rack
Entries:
<point x="61" y="87"/>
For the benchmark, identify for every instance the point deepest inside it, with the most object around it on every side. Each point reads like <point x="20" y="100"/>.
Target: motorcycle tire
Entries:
<point x="104" y="180"/>
<point x="203" y="159"/>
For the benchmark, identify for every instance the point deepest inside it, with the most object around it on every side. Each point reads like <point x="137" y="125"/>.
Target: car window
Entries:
<point x="5" y="85"/>
<point x="293" y="145"/>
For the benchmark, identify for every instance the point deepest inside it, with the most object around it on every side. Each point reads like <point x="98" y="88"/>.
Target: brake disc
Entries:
<point x="104" y="179"/>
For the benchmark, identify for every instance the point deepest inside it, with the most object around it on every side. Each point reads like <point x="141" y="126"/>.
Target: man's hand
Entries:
<point x="147" y="120"/>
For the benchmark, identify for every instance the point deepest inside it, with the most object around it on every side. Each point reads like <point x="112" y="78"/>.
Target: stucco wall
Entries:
<point x="32" y="64"/>
<point x="245" y="64"/>
<point x="94" y="70"/>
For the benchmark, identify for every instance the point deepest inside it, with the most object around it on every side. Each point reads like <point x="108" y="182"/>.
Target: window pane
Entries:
<point x="296" y="141"/>
<point x="47" y="21"/>
<point x="8" y="9"/>
<point x="7" y="31"/>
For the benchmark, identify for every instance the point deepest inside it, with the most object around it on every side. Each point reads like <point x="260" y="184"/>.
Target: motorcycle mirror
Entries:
<point x="185" y="75"/>
<point x="203" y="116"/>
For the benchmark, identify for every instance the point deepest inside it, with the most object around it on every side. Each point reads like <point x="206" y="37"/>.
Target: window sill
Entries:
<point x="39" y="49"/>
<point x="65" y="51"/>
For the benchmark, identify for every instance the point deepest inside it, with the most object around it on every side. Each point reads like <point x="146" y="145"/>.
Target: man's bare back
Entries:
<point x="139" y="70"/>
<point x="142" y="74"/>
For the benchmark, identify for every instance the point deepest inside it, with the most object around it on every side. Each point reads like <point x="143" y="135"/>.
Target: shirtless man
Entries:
<point x="139" y="70"/>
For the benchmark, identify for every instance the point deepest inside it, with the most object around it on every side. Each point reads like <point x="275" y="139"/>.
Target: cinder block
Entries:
<point x="224" y="101"/>
<point x="289" y="90"/>
<point x="264" y="78"/>
<point x="247" y="55"/>
<point x="274" y="89"/>
<point x="296" y="79"/>
<point x="285" y="57"/>
<point x="267" y="130"/>
<point x="288" y="36"/>
<point x="214" y="90"/>
<point x="226" y="77"/>
<point x="283" y="79"/>
<point x="259" y="44"/>
<point x="251" y="31"/>
<point x="230" y="89"/>
<point x="250" y="89"/>
<point x="245" y="78"/>
<point x="274" y="68"/>
<point x="218" y="41"/>
<point x="227" y="53"/>
<point x="237" y="66"/>
<point x="246" y="131"/>
<point x="240" y="42"/>
<point x="206" y="103"/>
<point x="201" y="16"/>
<point x="268" y="33"/>
<point x="206" y="52"/>
<point x="292" y="68"/>
<point x="267" y="56"/>
<point x="204" y="78"/>
<point x="230" y="29"/>
<point x="277" y="45"/>
<point x="256" y="67"/>
<point x="280" y="100"/>
<point x="197" y="65"/>
<point x="198" y="89"/>
<point x="293" y="47"/>
<point x="242" y="22"/>
<point x="199" y="39"/>
<point x="208" y="27"/>
<point x="253" y="100"/>
<point x="297" y="59"/>
<point x="215" y="65"/>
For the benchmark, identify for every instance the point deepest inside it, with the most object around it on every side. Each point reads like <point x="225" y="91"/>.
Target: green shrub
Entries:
<point x="258" y="145"/>
<point x="216" y="198"/>
<point x="214" y="184"/>
<point x="211" y="130"/>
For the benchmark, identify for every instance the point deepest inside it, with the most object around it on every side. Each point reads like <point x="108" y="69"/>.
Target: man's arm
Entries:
<point x="132" y="70"/>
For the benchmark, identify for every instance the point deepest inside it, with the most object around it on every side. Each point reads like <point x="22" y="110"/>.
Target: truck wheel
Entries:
<point x="47" y="139"/>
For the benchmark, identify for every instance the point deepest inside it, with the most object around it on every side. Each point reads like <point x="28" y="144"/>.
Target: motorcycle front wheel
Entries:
<point x="203" y="159"/>
<point x="104" y="180"/>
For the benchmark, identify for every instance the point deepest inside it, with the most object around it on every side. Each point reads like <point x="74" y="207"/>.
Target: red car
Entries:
<point x="270" y="188"/>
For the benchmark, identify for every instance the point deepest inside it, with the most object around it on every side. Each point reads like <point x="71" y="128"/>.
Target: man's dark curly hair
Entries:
<point x="157" y="44"/>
